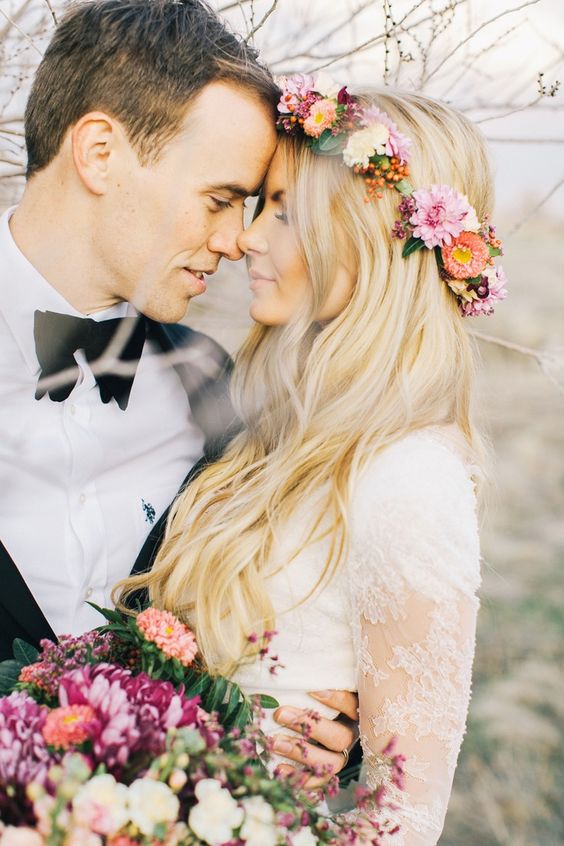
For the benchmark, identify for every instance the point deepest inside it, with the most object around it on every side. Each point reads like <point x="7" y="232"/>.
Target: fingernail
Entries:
<point x="321" y="694"/>
<point x="286" y="714"/>
<point x="282" y="745"/>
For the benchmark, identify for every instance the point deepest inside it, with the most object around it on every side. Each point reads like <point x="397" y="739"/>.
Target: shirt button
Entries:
<point x="89" y="593"/>
<point x="82" y="499"/>
<point x="73" y="410"/>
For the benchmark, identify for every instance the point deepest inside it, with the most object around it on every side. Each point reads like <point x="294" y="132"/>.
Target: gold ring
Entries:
<point x="345" y="753"/>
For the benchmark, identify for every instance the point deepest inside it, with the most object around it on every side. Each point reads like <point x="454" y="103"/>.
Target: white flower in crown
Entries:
<point x="365" y="143"/>
<point x="151" y="803"/>
<point x="326" y="86"/>
<point x="217" y="813"/>
<point x="471" y="222"/>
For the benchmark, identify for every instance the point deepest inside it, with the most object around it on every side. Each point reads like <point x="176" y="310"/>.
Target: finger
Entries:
<point x="314" y="757"/>
<point x="331" y="734"/>
<point x="344" y="701"/>
<point x="301" y="780"/>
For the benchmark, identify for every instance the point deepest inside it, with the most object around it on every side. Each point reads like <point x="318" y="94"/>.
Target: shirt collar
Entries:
<point x="23" y="290"/>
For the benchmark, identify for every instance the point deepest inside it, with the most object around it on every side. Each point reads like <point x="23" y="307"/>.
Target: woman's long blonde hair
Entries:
<point x="319" y="401"/>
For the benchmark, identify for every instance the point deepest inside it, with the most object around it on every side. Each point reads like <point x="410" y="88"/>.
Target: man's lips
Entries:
<point x="196" y="279"/>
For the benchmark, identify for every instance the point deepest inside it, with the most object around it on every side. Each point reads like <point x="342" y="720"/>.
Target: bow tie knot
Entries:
<point x="59" y="336"/>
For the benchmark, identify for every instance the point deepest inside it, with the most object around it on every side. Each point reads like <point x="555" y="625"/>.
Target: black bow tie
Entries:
<point x="59" y="336"/>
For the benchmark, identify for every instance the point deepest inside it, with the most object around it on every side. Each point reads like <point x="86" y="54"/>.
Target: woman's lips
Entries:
<point x="259" y="280"/>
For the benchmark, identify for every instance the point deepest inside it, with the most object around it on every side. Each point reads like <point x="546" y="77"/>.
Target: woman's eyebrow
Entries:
<point x="279" y="195"/>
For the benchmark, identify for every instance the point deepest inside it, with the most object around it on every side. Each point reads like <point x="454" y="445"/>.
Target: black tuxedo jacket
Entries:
<point x="205" y="376"/>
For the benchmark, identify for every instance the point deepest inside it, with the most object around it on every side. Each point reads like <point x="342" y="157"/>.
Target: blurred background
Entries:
<point x="501" y="63"/>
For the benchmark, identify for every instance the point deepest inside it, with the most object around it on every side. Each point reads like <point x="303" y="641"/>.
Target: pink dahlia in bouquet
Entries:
<point x="120" y="738"/>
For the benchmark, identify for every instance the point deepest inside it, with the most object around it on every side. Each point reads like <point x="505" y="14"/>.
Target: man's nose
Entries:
<point x="225" y="241"/>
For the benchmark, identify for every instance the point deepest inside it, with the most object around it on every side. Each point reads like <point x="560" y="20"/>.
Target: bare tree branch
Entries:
<point x="12" y="22"/>
<point x="537" y="208"/>
<point x="473" y="34"/>
<point x="262" y="22"/>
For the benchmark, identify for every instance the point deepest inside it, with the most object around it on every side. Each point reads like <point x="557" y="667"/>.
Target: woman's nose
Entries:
<point x="252" y="239"/>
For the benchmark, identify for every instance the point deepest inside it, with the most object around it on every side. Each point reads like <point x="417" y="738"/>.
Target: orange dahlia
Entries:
<point x="466" y="257"/>
<point x="68" y="726"/>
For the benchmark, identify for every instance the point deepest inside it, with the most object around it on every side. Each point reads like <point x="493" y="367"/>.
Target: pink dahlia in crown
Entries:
<point x="441" y="219"/>
<point x="170" y="635"/>
<point x="439" y="216"/>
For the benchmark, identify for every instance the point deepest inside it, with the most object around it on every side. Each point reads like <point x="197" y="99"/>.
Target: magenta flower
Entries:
<point x="397" y="144"/>
<point x="132" y="713"/>
<point x="439" y="216"/>
<point x="68" y="654"/>
<point x="24" y="756"/>
<point x="491" y="290"/>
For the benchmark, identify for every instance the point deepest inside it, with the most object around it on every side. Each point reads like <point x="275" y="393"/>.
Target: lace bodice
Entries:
<point x="397" y="623"/>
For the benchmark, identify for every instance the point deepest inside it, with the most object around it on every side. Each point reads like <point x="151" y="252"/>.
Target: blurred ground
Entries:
<point x="509" y="786"/>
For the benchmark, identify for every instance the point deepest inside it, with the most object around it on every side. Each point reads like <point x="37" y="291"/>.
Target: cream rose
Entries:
<point x="365" y="143"/>
<point x="101" y="805"/>
<point x="150" y="803"/>
<point x="326" y="85"/>
<point x="259" y="828"/>
<point x="304" y="837"/>
<point x="19" y="836"/>
<point x="217" y="813"/>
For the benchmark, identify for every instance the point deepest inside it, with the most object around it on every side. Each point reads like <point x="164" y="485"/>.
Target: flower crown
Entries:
<point x="335" y="124"/>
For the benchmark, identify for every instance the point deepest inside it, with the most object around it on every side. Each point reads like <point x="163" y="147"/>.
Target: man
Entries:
<point x="147" y="126"/>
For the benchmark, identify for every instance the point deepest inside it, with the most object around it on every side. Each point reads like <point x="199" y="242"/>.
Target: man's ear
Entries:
<point x="94" y="139"/>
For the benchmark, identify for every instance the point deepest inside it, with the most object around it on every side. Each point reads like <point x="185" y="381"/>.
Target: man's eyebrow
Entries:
<point x="236" y="189"/>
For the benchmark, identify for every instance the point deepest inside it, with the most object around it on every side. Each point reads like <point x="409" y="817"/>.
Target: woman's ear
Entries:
<point x="93" y="142"/>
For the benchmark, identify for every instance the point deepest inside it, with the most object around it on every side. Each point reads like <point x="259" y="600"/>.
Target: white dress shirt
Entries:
<point x="80" y="481"/>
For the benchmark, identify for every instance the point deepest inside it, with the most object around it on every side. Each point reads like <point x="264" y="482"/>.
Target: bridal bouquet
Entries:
<point x="120" y="738"/>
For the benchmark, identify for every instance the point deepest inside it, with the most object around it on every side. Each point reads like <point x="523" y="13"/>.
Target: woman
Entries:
<point x="343" y="515"/>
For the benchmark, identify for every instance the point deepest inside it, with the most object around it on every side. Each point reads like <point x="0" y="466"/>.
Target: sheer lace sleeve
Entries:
<point x="414" y="572"/>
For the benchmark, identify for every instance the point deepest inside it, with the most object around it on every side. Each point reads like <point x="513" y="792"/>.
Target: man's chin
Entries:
<point x="165" y="312"/>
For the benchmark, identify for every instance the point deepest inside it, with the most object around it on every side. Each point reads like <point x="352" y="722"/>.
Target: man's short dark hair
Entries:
<point x="142" y="62"/>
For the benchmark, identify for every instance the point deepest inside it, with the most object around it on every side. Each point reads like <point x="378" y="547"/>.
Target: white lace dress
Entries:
<point x="397" y="623"/>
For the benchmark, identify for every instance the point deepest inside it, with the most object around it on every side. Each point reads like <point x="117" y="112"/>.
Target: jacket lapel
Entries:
<point x="21" y="615"/>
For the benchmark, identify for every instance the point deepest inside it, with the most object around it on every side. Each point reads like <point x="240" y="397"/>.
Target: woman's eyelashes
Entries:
<point x="281" y="216"/>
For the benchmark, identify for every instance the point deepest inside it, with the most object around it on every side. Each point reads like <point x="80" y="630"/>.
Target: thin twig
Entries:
<point x="514" y="111"/>
<point x="231" y="6"/>
<point x="493" y="140"/>
<point x="475" y="32"/>
<point x="262" y="22"/>
<point x="20" y="30"/>
<point x="12" y="162"/>
<point x="53" y="15"/>
<point x="537" y="208"/>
